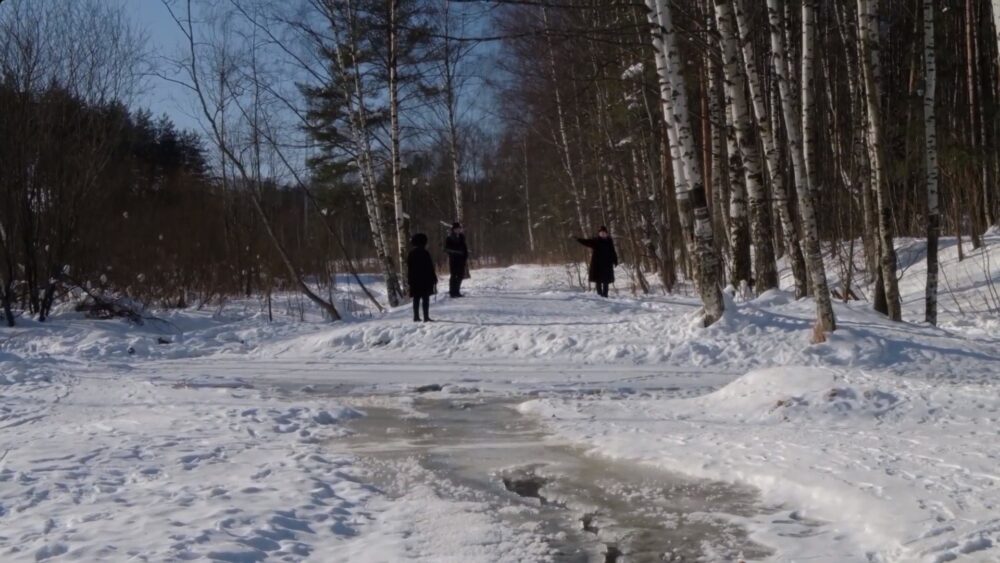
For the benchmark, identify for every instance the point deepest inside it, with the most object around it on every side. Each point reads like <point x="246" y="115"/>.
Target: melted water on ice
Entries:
<point x="590" y="509"/>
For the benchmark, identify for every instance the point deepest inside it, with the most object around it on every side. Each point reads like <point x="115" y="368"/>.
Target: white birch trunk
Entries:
<point x="869" y="48"/>
<point x="739" y="225"/>
<point x="708" y="262"/>
<point x="527" y="199"/>
<point x="366" y="169"/>
<point x="679" y="175"/>
<point x="718" y="118"/>
<point x="931" y="159"/>
<point x="810" y="231"/>
<point x="996" y="26"/>
<point x="765" y="268"/>
<point x="772" y="156"/>
<point x="402" y="221"/>
<point x="808" y="85"/>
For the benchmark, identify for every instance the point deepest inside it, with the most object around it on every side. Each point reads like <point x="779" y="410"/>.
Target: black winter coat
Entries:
<point x="420" y="273"/>
<point x="457" y="251"/>
<point x="603" y="260"/>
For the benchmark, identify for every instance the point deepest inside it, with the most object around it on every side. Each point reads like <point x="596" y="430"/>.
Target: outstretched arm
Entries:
<point x="588" y="242"/>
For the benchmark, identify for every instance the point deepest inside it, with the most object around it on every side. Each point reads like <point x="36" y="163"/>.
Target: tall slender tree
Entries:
<point x="342" y="120"/>
<point x="765" y="269"/>
<point x="996" y="27"/>
<point x="931" y="160"/>
<point x="793" y="129"/>
<point x="869" y="55"/>
<point x="772" y="154"/>
<point x="677" y="104"/>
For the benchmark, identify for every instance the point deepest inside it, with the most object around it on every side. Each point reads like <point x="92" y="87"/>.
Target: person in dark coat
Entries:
<point x="421" y="276"/>
<point x="458" y="259"/>
<point x="603" y="260"/>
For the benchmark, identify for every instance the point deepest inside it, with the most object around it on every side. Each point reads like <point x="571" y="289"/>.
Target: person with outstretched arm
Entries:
<point x="458" y="257"/>
<point x="603" y="260"/>
<point x="421" y="276"/>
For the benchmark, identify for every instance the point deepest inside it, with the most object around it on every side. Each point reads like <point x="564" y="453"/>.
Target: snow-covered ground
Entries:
<point x="197" y="435"/>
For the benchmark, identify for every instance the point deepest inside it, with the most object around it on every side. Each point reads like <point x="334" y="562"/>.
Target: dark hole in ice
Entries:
<point x="528" y="486"/>
<point x="612" y="553"/>
<point x="588" y="523"/>
<point x="428" y="388"/>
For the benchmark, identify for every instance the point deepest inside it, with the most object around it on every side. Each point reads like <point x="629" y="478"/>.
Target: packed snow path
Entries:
<point x="201" y="439"/>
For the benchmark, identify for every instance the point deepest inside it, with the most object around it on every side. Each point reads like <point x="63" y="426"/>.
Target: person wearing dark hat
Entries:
<point x="458" y="257"/>
<point x="421" y="276"/>
<point x="603" y="260"/>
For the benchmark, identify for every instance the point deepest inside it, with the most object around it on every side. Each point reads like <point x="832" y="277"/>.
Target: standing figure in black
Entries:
<point x="603" y="260"/>
<point x="421" y="276"/>
<point x="458" y="258"/>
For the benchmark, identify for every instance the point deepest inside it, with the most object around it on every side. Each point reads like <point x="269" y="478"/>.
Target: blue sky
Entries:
<point x="160" y="96"/>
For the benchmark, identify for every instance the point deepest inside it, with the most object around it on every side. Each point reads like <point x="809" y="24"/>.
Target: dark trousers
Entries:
<point x="425" y="301"/>
<point x="455" y="281"/>
<point x="602" y="288"/>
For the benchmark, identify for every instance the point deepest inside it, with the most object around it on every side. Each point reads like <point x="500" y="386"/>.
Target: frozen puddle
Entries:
<point x="584" y="508"/>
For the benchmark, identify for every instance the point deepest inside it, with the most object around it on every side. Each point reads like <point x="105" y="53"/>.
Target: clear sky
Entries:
<point x="165" y="41"/>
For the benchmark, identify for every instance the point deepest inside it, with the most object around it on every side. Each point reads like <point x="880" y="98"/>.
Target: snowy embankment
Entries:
<point x="168" y="441"/>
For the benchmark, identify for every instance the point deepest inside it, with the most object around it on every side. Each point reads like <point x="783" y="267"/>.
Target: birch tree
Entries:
<point x="931" y="160"/>
<point x="812" y="251"/>
<point x="765" y="268"/>
<point x="395" y="161"/>
<point x="772" y="155"/>
<point x="527" y="195"/>
<point x="704" y="245"/>
<point x="407" y="49"/>
<point x="996" y="26"/>
<point x="739" y="225"/>
<point x="341" y="120"/>
<point x="679" y="174"/>
<point x="869" y="49"/>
